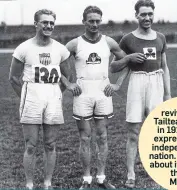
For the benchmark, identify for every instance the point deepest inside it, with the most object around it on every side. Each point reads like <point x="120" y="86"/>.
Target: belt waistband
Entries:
<point x="148" y="73"/>
<point x="91" y="79"/>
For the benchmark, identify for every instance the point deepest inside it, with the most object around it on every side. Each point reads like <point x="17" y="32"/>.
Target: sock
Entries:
<point x="47" y="183"/>
<point x="131" y="176"/>
<point x="100" y="178"/>
<point x="29" y="186"/>
<point x="88" y="179"/>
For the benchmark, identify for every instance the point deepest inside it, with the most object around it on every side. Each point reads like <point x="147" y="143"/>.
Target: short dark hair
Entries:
<point x="43" y="11"/>
<point x="146" y="3"/>
<point x="91" y="9"/>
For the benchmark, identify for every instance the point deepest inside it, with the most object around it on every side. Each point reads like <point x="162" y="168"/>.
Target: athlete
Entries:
<point x="149" y="83"/>
<point x="38" y="61"/>
<point x="93" y="91"/>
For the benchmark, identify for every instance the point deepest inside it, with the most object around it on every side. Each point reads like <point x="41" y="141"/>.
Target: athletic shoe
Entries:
<point x="106" y="185"/>
<point x="28" y="188"/>
<point x="130" y="183"/>
<point x="48" y="188"/>
<point x="85" y="185"/>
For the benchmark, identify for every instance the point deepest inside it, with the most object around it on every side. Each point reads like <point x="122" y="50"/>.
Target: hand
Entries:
<point x="137" y="57"/>
<point x="110" y="89"/>
<point x="167" y="97"/>
<point x="75" y="89"/>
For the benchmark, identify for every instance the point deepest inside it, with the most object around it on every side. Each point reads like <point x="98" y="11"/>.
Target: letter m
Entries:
<point x="173" y="181"/>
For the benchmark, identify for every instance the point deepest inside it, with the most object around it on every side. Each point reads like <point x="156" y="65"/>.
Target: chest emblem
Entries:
<point x="93" y="59"/>
<point x="150" y="53"/>
<point x="45" y="58"/>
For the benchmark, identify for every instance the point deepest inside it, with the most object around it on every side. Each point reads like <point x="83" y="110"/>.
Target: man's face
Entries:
<point x="45" y="25"/>
<point x="145" y="17"/>
<point x="92" y="22"/>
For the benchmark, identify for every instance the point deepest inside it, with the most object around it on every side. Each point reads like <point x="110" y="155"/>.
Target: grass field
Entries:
<point x="68" y="169"/>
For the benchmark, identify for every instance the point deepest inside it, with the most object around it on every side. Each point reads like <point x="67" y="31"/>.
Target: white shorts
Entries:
<point x="145" y="92"/>
<point x="41" y="103"/>
<point x="92" y="102"/>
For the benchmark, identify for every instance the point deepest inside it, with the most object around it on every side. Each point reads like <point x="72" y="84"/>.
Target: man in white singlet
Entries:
<point x="149" y="83"/>
<point x="93" y="91"/>
<point x="38" y="61"/>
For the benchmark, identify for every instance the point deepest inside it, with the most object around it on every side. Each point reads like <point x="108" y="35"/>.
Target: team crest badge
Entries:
<point x="150" y="53"/>
<point x="45" y="58"/>
<point x="93" y="59"/>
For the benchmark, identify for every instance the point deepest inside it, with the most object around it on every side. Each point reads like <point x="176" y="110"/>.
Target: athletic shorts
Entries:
<point x="41" y="103"/>
<point x="145" y="92"/>
<point x="92" y="102"/>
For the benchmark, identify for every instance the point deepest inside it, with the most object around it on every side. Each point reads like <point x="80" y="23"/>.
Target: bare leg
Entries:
<point x="29" y="160"/>
<point x="101" y="132"/>
<point x="85" y="137"/>
<point x="50" y="138"/>
<point x="131" y="148"/>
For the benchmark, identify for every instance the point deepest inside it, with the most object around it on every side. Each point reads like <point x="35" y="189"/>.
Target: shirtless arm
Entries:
<point x="15" y="74"/>
<point x="73" y="87"/>
<point x="121" y="56"/>
<point x="166" y="78"/>
<point x="121" y="60"/>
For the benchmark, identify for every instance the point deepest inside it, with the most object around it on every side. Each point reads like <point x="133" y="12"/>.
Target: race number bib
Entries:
<point x="46" y="74"/>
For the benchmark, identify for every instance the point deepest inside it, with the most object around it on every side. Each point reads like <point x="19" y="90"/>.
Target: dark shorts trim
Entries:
<point x="103" y="116"/>
<point x="77" y="117"/>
